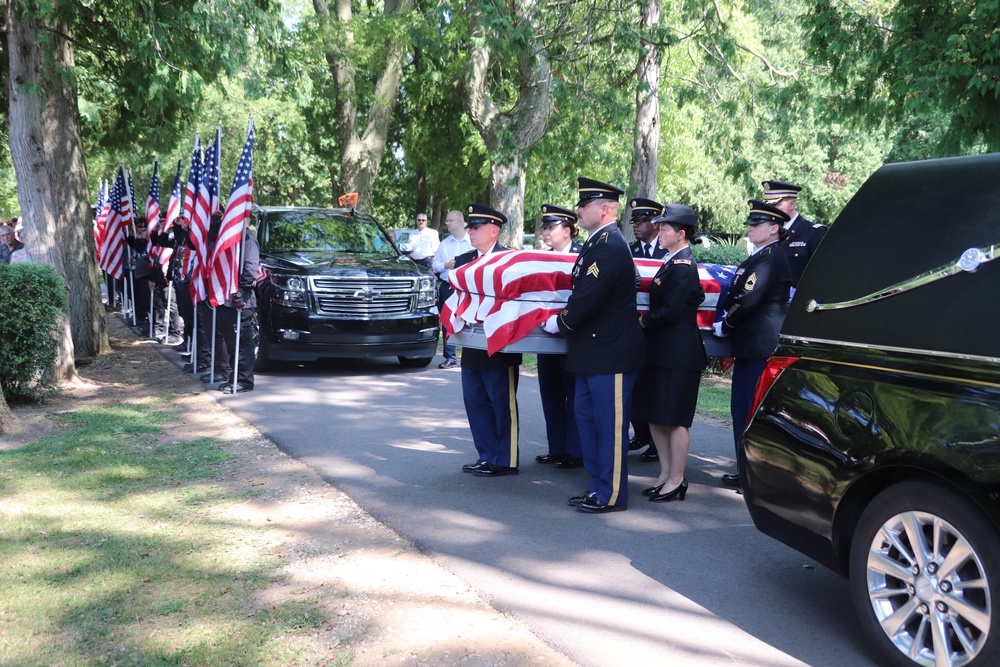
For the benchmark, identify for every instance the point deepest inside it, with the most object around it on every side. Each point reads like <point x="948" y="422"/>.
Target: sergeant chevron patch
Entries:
<point x="593" y="270"/>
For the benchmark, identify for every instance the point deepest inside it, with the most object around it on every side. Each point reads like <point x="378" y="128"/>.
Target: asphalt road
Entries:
<point x="681" y="583"/>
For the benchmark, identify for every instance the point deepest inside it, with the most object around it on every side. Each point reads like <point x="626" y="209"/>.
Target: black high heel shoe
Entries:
<point x="676" y="494"/>
<point x="652" y="491"/>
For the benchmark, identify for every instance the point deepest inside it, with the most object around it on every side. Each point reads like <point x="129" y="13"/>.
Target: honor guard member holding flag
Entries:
<point x="556" y="385"/>
<point x="647" y="245"/>
<point x="754" y="311"/>
<point x="605" y="346"/>
<point x="489" y="383"/>
<point x="803" y="236"/>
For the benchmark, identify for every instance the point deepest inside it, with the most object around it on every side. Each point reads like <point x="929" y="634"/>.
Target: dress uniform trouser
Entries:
<point x="226" y="323"/>
<point x="603" y="403"/>
<point x="557" y="387"/>
<point x="746" y="373"/>
<point x="491" y="404"/>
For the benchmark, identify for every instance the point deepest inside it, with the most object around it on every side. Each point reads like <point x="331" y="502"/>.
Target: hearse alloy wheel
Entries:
<point x="924" y="571"/>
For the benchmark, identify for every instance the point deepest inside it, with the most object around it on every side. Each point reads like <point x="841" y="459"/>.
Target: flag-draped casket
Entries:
<point x="505" y="296"/>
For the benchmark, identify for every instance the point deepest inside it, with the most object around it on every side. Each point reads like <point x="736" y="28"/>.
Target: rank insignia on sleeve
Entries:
<point x="682" y="261"/>
<point x="593" y="270"/>
<point x="751" y="282"/>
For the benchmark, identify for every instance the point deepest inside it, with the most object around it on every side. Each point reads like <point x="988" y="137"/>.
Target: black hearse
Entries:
<point x="335" y="285"/>
<point x="875" y="444"/>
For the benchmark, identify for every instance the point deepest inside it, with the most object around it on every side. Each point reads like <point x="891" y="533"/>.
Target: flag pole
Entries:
<point x="152" y="316"/>
<point x="211" y="377"/>
<point x="239" y="313"/>
<point x="194" y="339"/>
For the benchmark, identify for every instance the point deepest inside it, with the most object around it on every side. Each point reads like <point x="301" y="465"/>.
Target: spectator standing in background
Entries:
<point x="425" y="242"/>
<point x="444" y="261"/>
<point x="8" y="244"/>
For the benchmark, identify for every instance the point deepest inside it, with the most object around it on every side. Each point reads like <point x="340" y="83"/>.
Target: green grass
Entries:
<point x="713" y="396"/>
<point x="115" y="550"/>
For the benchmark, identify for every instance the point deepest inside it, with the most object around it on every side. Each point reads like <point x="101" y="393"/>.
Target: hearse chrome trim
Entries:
<point x="889" y="348"/>
<point x="970" y="260"/>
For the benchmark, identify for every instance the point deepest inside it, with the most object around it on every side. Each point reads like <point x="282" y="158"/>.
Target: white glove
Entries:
<point x="717" y="329"/>
<point x="551" y="325"/>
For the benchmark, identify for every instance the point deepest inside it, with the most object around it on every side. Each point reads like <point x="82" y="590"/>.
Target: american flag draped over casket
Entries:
<point x="511" y="293"/>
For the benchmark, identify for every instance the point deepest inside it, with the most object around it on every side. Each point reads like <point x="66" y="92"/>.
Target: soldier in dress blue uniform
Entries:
<point x="489" y="383"/>
<point x="803" y="236"/>
<point x="646" y="245"/>
<point x="754" y="311"/>
<point x="605" y="346"/>
<point x="556" y="385"/>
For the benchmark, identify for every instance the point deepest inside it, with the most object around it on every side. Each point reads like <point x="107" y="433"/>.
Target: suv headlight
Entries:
<point x="427" y="296"/>
<point x="289" y="290"/>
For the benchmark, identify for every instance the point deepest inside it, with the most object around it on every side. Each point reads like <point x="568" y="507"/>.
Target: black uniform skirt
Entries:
<point x="665" y="396"/>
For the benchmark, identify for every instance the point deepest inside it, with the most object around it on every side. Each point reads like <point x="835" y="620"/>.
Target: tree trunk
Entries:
<point x="361" y="156"/>
<point x="508" y="135"/>
<point x="642" y="180"/>
<point x="48" y="159"/>
<point x="6" y="416"/>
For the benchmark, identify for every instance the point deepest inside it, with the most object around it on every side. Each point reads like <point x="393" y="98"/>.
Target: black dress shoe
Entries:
<point x="472" y="467"/>
<point x="676" y="494"/>
<point x="575" y="501"/>
<point x="549" y="458"/>
<point x="731" y="480"/>
<point x="569" y="462"/>
<point x="652" y="491"/>
<point x="188" y="368"/>
<point x="595" y="506"/>
<point x="650" y="454"/>
<point x="490" y="470"/>
<point x="635" y="443"/>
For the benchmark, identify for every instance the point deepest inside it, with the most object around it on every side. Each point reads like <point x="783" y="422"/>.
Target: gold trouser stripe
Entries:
<point x="619" y="416"/>
<point x="512" y="391"/>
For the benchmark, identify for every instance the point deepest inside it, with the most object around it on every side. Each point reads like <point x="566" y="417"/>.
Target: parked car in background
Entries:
<point x="335" y="285"/>
<point x="874" y="447"/>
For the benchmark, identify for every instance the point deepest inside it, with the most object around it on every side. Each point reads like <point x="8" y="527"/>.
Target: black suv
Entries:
<point x="337" y="286"/>
<point x="875" y="444"/>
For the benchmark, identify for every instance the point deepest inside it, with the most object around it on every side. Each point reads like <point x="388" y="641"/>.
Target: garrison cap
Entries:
<point x="480" y="215"/>
<point x="761" y="212"/>
<point x="591" y="190"/>
<point x="553" y="215"/>
<point x="677" y="214"/>
<point x="644" y="209"/>
<point x="777" y="190"/>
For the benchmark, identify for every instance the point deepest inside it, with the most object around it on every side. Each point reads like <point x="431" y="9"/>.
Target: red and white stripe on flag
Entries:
<point x="113" y="247"/>
<point x="511" y="293"/>
<point x="224" y="270"/>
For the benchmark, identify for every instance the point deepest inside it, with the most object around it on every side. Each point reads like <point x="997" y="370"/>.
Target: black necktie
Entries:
<point x="649" y="251"/>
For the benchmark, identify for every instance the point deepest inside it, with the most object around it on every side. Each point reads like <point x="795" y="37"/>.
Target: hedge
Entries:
<point x="32" y="297"/>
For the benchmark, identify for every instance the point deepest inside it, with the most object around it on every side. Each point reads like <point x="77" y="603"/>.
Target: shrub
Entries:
<point x="720" y="251"/>
<point x="32" y="297"/>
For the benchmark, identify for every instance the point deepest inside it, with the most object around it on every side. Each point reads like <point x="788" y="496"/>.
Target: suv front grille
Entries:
<point x="363" y="297"/>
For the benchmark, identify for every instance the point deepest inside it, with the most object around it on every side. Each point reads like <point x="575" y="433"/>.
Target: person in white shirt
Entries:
<point x="425" y="242"/>
<point x="444" y="261"/>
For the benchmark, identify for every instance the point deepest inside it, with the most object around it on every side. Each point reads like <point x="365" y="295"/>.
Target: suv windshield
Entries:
<point x="323" y="230"/>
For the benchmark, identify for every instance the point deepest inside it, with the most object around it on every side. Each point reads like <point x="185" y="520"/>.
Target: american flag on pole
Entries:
<point x="511" y="293"/>
<point x="159" y="253"/>
<point x="100" y="220"/>
<point x="225" y="270"/>
<point x="113" y="248"/>
<point x="174" y="205"/>
<point x="208" y="196"/>
<point x="190" y="195"/>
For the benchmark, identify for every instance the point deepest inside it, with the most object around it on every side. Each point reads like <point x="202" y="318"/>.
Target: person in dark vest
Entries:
<point x="489" y="383"/>
<point x="605" y="346"/>
<point x="803" y="236"/>
<point x="556" y="385"/>
<point x="240" y="311"/>
<point x="753" y="312"/>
